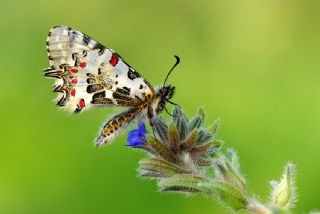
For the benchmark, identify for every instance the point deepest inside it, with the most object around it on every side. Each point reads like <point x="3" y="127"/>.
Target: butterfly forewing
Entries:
<point x="90" y="74"/>
<point x="64" y="41"/>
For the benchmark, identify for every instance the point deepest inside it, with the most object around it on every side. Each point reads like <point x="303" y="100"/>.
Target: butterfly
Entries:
<point x="88" y="74"/>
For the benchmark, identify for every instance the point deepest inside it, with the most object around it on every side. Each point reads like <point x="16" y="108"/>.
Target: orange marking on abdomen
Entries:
<point x="114" y="124"/>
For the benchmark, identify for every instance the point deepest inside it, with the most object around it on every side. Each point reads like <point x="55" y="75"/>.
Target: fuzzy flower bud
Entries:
<point x="284" y="191"/>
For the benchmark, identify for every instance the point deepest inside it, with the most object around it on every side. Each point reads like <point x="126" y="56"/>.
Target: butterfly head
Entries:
<point x="166" y="92"/>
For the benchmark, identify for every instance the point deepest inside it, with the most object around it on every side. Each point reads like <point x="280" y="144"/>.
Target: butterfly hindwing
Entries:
<point x="90" y="74"/>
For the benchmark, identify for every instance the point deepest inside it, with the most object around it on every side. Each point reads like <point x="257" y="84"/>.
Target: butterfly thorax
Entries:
<point x="162" y="96"/>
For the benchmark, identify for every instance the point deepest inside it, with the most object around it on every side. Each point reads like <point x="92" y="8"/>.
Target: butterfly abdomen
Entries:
<point x="116" y="125"/>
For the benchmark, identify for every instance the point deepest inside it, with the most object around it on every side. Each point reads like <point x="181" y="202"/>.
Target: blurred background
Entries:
<point x="254" y="64"/>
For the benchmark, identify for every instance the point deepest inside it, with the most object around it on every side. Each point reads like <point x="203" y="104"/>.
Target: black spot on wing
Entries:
<point x="124" y="91"/>
<point x="133" y="74"/>
<point x="76" y="62"/>
<point x="62" y="101"/>
<point x="99" y="95"/>
<point x="138" y="98"/>
<point x="86" y="39"/>
<point x="104" y="101"/>
<point x="77" y="110"/>
<point x="59" y="88"/>
<point x="100" y="47"/>
<point x="121" y="96"/>
<point x="72" y="34"/>
<point x="124" y="103"/>
<point x="90" y="75"/>
<point x="73" y="56"/>
<point x="94" y="88"/>
<point x="91" y="80"/>
<point x="51" y="72"/>
<point x="47" y="46"/>
<point x="137" y="74"/>
<point x="101" y="51"/>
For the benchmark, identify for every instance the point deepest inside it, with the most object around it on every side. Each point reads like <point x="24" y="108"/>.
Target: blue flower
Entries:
<point x="137" y="137"/>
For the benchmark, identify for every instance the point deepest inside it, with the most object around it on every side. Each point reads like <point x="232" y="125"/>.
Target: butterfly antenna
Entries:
<point x="177" y="62"/>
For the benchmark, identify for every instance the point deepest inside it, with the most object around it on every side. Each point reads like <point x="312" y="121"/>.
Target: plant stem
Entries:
<point x="258" y="208"/>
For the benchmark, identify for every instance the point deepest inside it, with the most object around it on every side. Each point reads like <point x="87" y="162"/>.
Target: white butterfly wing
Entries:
<point x="90" y="74"/>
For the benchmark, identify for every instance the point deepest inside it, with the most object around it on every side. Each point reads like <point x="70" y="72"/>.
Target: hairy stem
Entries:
<point x="258" y="208"/>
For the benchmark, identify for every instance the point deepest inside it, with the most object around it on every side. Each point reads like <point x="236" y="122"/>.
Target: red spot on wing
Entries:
<point x="82" y="104"/>
<point x="82" y="64"/>
<point x="73" y="92"/>
<point x="74" y="81"/>
<point x="114" y="60"/>
<point x="74" y="71"/>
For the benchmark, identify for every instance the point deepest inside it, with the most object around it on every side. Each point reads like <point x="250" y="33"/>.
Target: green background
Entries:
<point x="255" y="64"/>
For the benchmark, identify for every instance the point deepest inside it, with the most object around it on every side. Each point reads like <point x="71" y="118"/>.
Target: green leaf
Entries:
<point x="195" y="123"/>
<point x="202" y="114"/>
<point x="191" y="140"/>
<point x="214" y="129"/>
<point x="225" y="172"/>
<point x="201" y="149"/>
<point x="181" y="122"/>
<point x="182" y="183"/>
<point x="227" y="193"/>
<point x="160" y="128"/>
<point x="204" y="137"/>
<point x="158" y="166"/>
<point x="160" y="149"/>
<point x="198" y="121"/>
<point x="217" y="143"/>
<point x="174" y="138"/>
<point x="152" y="174"/>
<point x="201" y="161"/>
<point x="233" y="158"/>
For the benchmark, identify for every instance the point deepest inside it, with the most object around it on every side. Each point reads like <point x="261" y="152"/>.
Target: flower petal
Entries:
<point x="142" y="129"/>
<point x="135" y="139"/>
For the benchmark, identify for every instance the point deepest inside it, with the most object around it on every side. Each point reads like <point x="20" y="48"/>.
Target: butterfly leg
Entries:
<point x="168" y="112"/>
